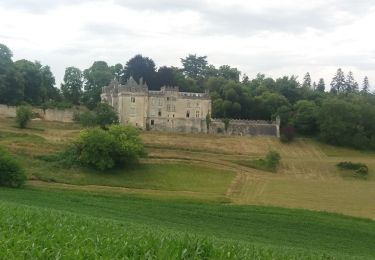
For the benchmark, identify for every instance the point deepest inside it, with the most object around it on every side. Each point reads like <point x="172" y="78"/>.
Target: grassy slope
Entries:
<point x="293" y="229"/>
<point x="307" y="177"/>
<point x="172" y="177"/>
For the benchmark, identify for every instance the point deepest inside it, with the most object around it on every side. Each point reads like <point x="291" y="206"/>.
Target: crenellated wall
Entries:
<point x="245" y="127"/>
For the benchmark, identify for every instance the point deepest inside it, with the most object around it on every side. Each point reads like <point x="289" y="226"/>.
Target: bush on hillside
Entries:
<point x="273" y="159"/>
<point x="270" y="163"/>
<point x="86" y="119"/>
<point x="360" y="169"/>
<point x="287" y="134"/>
<point x="11" y="173"/>
<point x="107" y="149"/>
<point x="103" y="115"/>
<point x="23" y="116"/>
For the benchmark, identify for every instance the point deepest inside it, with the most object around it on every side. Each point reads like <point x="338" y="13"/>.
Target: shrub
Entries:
<point x="106" y="149"/>
<point x="87" y="119"/>
<point x="226" y="124"/>
<point x="360" y="169"/>
<point x="105" y="115"/>
<point x="23" y="116"/>
<point x="287" y="134"/>
<point x="270" y="163"/>
<point x="273" y="159"/>
<point x="11" y="173"/>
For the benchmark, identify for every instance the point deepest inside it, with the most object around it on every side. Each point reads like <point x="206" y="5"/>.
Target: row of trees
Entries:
<point x="306" y="107"/>
<point x="25" y="81"/>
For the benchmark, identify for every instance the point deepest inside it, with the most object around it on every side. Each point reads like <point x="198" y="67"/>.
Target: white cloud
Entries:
<point x="270" y="36"/>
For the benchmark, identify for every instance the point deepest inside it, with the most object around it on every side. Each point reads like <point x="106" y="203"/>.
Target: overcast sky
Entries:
<point x="269" y="36"/>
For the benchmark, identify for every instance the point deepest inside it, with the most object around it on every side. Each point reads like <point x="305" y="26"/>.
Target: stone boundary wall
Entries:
<point x="58" y="115"/>
<point x="246" y="127"/>
<point x="177" y="125"/>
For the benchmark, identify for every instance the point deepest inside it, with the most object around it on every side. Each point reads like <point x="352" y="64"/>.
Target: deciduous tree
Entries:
<point x="72" y="86"/>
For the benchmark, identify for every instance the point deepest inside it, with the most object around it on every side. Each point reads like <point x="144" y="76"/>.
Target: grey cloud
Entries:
<point x="108" y="29"/>
<point x="361" y="62"/>
<point x="231" y="19"/>
<point x="236" y="20"/>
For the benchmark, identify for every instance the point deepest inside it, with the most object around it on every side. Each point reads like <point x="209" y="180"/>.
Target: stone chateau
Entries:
<point x="164" y="110"/>
<point x="173" y="111"/>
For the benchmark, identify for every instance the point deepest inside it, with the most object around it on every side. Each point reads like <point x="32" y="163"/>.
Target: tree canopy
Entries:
<point x="343" y="115"/>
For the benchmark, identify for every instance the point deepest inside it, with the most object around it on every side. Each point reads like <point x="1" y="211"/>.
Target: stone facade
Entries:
<point x="165" y="110"/>
<point x="58" y="115"/>
<point x="245" y="127"/>
<point x="170" y="110"/>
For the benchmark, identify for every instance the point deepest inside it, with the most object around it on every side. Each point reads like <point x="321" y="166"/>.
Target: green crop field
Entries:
<point x="37" y="223"/>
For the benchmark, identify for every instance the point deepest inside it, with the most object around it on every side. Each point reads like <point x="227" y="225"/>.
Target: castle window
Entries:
<point x="173" y="115"/>
<point x="168" y="107"/>
<point x="132" y="111"/>
<point x="159" y="113"/>
<point x="133" y="99"/>
<point x="197" y="114"/>
<point x="167" y="98"/>
<point x="152" y="122"/>
<point x="188" y="114"/>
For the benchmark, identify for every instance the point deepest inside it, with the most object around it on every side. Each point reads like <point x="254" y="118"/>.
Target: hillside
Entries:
<point x="204" y="167"/>
<point x="190" y="198"/>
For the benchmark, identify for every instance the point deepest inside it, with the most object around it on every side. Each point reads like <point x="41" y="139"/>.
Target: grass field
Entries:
<point x="36" y="222"/>
<point x="203" y="167"/>
<point x="189" y="199"/>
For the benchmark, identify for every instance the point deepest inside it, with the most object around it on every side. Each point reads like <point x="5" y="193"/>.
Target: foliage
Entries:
<point x="307" y="81"/>
<point x="226" y="124"/>
<point x="360" y="169"/>
<point x="194" y="66"/>
<point x="103" y="115"/>
<point x="104" y="150"/>
<point x="140" y="67"/>
<point x="305" y="117"/>
<point x="72" y="86"/>
<point x="11" y="173"/>
<point x="23" y="116"/>
<point x="95" y="78"/>
<point x="365" y="86"/>
<point x="86" y="118"/>
<point x="347" y="123"/>
<point x="208" y="122"/>
<point x="287" y="134"/>
<point x="305" y="106"/>
<point x="270" y="163"/>
<point x="338" y="82"/>
<point x="273" y="159"/>
<point x="57" y="104"/>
